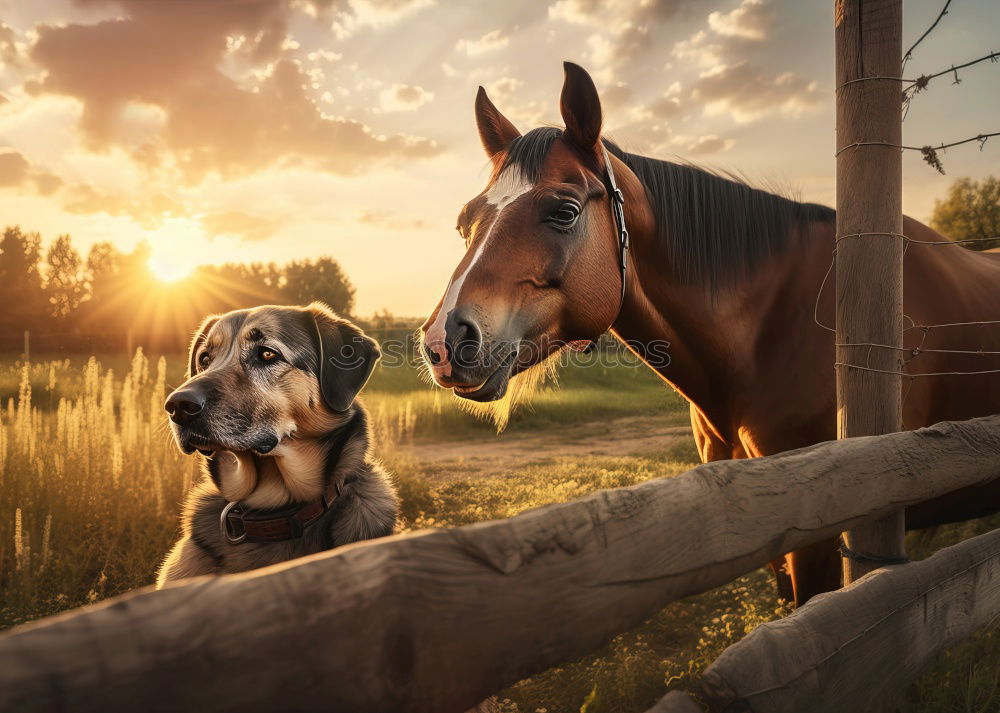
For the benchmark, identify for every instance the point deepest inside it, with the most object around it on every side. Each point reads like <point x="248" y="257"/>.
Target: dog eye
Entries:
<point x="204" y="360"/>
<point x="268" y="355"/>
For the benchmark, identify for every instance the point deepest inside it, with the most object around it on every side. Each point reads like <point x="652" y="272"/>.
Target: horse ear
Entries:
<point x="580" y="107"/>
<point x="495" y="131"/>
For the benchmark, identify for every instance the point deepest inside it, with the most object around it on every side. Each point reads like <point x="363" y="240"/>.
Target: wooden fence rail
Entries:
<point x="864" y="643"/>
<point x="438" y="620"/>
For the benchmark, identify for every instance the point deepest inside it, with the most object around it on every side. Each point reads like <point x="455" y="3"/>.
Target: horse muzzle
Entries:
<point x="461" y="358"/>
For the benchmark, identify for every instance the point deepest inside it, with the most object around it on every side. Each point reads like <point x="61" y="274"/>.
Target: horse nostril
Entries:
<point x="432" y="356"/>
<point x="467" y="343"/>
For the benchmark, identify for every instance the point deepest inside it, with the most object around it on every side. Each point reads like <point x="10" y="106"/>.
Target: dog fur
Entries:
<point x="276" y="432"/>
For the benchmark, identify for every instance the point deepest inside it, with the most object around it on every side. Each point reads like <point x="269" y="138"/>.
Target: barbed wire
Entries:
<point x="930" y="155"/>
<point x="873" y="78"/>
<point x="929" y="152"/>
<point x="920" y="83"/>
<point x="909" y="52"/>
<point x="925" y="329"/>
<point x="918" y="375"/>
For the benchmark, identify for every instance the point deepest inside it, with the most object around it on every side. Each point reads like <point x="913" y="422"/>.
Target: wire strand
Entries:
<point x="921" y="82"/>
<point x="917" y="375"/>
<point x="929" y="152"/>
<point x="924" y="328"/>
<point x="909" y="52"/>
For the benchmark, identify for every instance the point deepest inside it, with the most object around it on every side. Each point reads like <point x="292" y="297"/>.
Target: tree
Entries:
<point x="102" y="264"/>
<point x="64" y="279"/>
<point x="970" y="211"/>
<point x="322" y="279"/>
<point x="20" y="282"/>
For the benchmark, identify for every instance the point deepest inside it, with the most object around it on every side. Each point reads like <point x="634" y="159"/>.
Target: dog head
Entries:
<point x="258" y="377"/>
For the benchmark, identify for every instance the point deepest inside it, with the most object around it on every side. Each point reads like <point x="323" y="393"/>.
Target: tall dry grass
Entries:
<point x="89" y="486"/>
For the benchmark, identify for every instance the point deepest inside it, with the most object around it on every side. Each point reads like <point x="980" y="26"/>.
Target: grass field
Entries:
<point x="90" y="484"/>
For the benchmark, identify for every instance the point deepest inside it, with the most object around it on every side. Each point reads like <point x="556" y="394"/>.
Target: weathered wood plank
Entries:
<point x="438" y="620"/>
<point x="863" y="644"/>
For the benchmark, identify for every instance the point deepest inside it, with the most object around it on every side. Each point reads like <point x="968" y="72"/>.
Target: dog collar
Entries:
<point x="241" y="524"/>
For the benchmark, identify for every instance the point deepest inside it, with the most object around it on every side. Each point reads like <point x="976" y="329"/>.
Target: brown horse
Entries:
<point x="731" y="277"/>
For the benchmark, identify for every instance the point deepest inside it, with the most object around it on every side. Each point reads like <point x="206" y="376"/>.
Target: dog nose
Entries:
<point x="184" y="405"/>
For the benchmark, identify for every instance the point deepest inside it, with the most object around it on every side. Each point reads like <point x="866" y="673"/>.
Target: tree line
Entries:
<point x="109" y="299"/>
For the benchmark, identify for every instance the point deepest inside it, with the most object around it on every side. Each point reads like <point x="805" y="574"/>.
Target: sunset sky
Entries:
<point x="277" y="129"/>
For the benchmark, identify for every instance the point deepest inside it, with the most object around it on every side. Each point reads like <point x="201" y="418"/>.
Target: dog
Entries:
<point x="270" y="402"/>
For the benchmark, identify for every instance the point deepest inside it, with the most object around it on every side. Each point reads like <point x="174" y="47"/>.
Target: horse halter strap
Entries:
<point x="617" y="199"/>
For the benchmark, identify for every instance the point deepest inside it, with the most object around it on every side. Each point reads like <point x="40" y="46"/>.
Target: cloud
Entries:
<point x="655" y="114"/>
<point x="47" y="183"/>
<point x="748" y="93"/>
<point x="324" y="55"/>
<point x="733" y="84"/>
<point x="147" y="210"/>
<point x="625" y="26"/>
<point x="13" y="169"/>
<point x="732" y="36"/>
<point x="669" y="105"/>
<point x="504" y="88"/>
<point x="377" y="13"/>
<point x="576" y="11"/>
<point x="710" y="143"/>
<point x="10" y="53"/>
<point x="16" y="171"/>
<point x="751" y="20"/>
<point x="698" y="50"/>
<point x="404" y="97"/>
<point x="599" y="12"/>
<point x="169" y="56"/>
<point x="630" y="40"/>
<point x="246" y="227"/>
<point x="491" y="41"/>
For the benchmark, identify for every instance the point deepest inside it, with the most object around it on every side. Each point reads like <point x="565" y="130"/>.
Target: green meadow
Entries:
<point x="91" y="483"/>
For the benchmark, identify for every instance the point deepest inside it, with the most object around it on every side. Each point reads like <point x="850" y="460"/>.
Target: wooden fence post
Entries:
<point x="869" y="246"/>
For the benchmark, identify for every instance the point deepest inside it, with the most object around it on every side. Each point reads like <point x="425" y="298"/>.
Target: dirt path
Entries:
<point x="641" y="435"/>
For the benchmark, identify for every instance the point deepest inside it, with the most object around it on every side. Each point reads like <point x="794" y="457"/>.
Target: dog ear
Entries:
<point x="345" y="357"/>
<point x="200" y="335"/>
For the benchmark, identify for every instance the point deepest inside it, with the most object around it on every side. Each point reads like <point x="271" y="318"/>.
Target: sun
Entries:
<point x="168" y="268"/>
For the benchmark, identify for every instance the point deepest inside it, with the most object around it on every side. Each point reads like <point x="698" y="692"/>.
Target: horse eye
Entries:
<point x="565" y="215"/>
<point x="268" y="355"/>
<point x="204" y="360"/>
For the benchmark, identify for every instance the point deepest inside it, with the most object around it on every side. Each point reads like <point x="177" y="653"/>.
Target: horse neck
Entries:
<point x="714" y="342"/>
<point x="678" y="334"/>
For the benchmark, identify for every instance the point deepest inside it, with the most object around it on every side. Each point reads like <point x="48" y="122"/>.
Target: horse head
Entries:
<point x="541" y="270"/>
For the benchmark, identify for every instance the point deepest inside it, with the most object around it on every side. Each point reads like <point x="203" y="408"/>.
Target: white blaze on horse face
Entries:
<point x="509" y="186"/>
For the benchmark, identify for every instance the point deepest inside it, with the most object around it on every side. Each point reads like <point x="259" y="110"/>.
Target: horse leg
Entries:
<point x="711" y="447"/>
<point x="782" y="579"/>
<point x="813" y="570"/>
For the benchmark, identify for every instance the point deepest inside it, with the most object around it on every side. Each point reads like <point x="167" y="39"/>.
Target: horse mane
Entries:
<point x="713" y="229"/>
